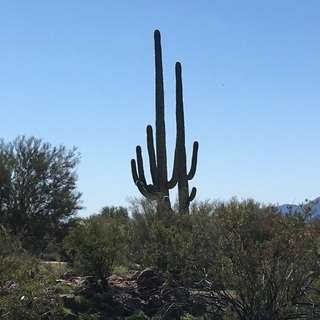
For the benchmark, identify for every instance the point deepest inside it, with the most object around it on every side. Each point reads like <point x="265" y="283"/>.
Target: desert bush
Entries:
<point x="267" y="263"/>
<point x="182" y="246"/>
<point x="25" y="291"/>
<point x="96" y="244"/>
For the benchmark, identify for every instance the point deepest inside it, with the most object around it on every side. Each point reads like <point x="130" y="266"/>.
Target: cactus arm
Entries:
<point x="138" y="175"/>
<point x="192" y="194"/>
<point x="175" y="175"/>
<point x="193" y="160"/>
<point x="149" y="191"/>
<point x="134" y="171"/>
<point x="140" y="165"/>
<point x="152" y="155"/>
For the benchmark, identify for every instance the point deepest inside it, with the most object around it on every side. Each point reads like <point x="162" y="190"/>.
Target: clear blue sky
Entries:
<point x="82" y="73"/>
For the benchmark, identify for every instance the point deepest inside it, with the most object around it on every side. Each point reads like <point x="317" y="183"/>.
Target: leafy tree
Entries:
<point x="96" y="244"/>
<point x="267" y="263"/>
<point x="37" y="189"/>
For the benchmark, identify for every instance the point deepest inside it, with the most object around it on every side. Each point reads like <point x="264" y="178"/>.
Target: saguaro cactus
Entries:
<point x="159" y="189"/>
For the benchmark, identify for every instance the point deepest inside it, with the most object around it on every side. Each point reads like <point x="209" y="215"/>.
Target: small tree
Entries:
<point x="37" y="189"/>
<point x="96" y="244"/>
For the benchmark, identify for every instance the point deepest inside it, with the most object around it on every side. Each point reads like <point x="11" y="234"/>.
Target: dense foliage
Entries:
<point x="267" y="264"/>
<point x="95" y="245"/>
<point x="24" y="286"/>
<point x="37" y="190"/>
<point x="259" y="263"/>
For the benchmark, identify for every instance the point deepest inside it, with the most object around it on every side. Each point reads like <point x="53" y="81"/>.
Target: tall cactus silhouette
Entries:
<point x="159" y="189"/>
<point x="180" y="160"/>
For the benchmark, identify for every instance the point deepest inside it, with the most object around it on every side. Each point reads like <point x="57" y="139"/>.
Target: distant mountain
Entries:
<point x="313" y="204"/>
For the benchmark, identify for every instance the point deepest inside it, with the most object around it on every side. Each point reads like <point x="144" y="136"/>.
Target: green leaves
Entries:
<point x="267" y="262"/>
<point x="96" y="244"/>
<point x="23" y="284"/>
<point x="253" y="262"/>
<point x="182" y="246"/>
<point x="37" y="189"/>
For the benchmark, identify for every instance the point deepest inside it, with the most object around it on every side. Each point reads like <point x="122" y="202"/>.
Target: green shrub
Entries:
<point x="95" y="245"/>
<point x="25" y="291"/>
<point x="267" y="264"/>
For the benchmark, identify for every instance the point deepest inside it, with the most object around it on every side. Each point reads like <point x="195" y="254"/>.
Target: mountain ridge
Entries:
<point x="314" y="206"/>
